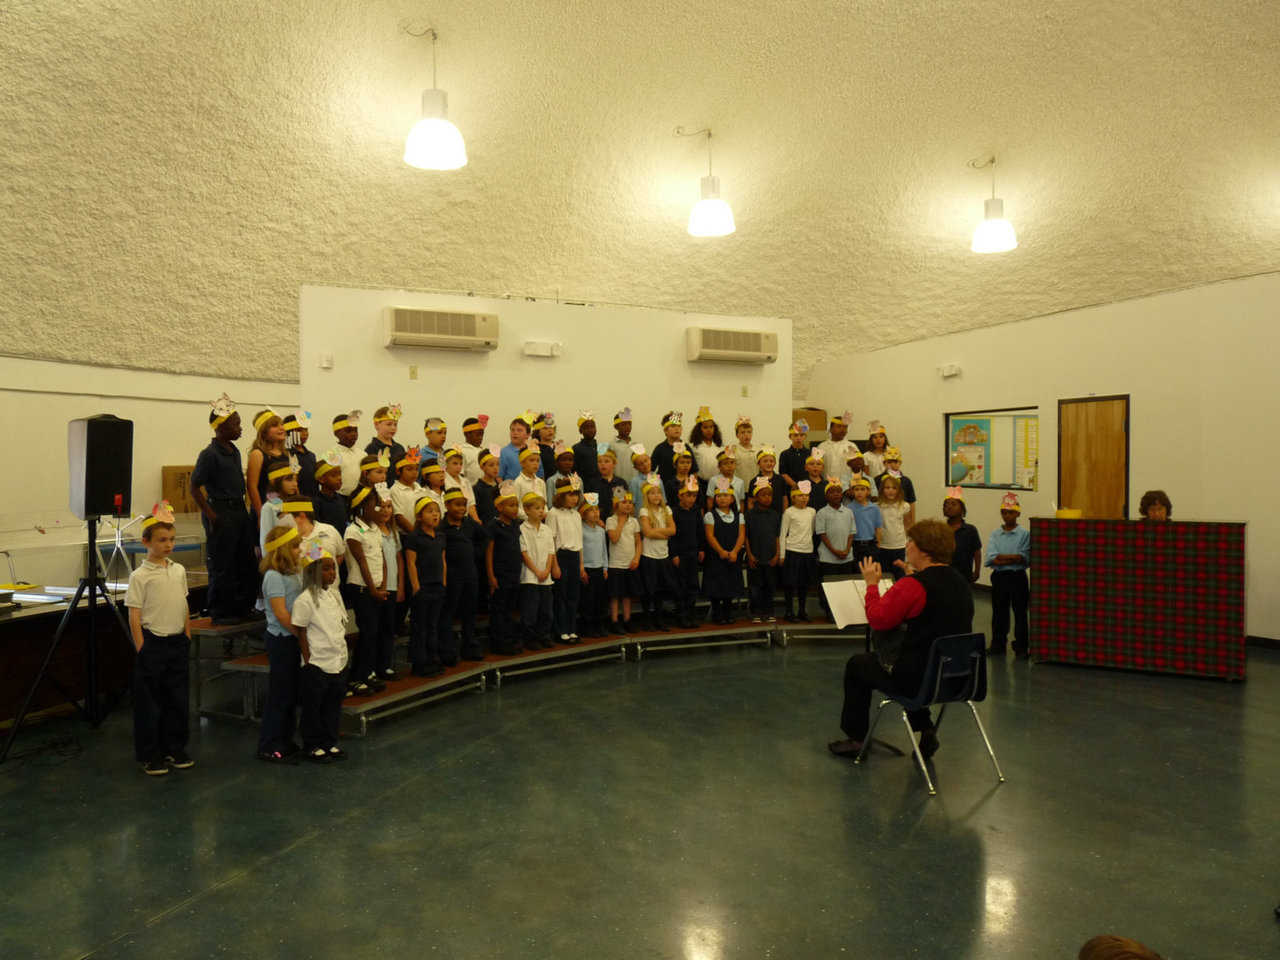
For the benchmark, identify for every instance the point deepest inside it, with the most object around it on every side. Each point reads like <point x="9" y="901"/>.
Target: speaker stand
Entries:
<point x="94" y="586"/>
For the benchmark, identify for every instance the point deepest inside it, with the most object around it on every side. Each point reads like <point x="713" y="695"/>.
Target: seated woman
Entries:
<point x="933" y="601"/>
<point x="1155" y="506"/>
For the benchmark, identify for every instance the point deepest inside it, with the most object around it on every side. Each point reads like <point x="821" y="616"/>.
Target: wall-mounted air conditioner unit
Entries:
<point x="409" y="327"/>
<point x="737" y="346"/>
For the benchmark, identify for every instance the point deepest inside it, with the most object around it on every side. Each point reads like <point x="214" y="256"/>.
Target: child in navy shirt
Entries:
<point x="503" y="566"/>
<point x="764" y="524"/>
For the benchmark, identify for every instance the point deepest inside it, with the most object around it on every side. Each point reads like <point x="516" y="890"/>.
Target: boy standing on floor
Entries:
<point x="472" y="446"/>
<point x="833" y="527"/>
<point x="586" y="451"/>
<point x="1009" y="557"/>
<point x="968" y="556"/>
<point x="764" y="524"/>
<point x="160" y="625"/>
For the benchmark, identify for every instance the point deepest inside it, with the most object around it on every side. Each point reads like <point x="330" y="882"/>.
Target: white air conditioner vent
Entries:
<point x="409" y="327"/>
<point x="736" y="346"/>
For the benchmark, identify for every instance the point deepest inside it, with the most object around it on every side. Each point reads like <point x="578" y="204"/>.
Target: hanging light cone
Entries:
<point x="434" y="143"/>
<point x="711" y="216"/>
<point x="994" y="234"/>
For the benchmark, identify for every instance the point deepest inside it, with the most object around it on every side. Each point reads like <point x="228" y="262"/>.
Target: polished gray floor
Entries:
<point x="683" y="807"/>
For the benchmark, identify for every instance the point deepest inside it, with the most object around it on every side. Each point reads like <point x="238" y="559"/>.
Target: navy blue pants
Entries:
<point x="229" y="558"/>
<point x="535" y="614"/>
<point x="460" y="605"/>
<point x="686" y="582"/>
<point x="375" y="647"/>
<point x="762" y="582"/>
<point x="504" y="636"/>
<point x="160" y="693"/>
<point x="321" y="695"/>
<point x="279" y="714"/>
<point x="424" y="640"/>
<point x="1009" y="588"/>
<point x="594" y="608"/>
<point x="799" y="572"/>
<point x="568" y="591"/>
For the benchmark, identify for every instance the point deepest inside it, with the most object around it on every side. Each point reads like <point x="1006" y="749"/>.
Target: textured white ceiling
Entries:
<point x="186" y="166"/>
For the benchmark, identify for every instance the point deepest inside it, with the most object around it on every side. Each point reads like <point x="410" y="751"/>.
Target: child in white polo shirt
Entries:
<point x="160" y="624"/>
<point x="319" y="621"/>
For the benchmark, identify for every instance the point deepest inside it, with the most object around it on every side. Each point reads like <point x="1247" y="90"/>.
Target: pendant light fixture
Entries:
<point x="434" y="143"/>
<point x="710" y="216"/>
<point x="994" y="234"/>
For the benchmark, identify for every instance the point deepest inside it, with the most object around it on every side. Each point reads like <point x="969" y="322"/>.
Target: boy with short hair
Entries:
<point x="688" y="550"/>
<point x="538" y="553"/>
<point x="346" y="430"/>
<point x="621" y="446"/>
<point x="472" y="445"/>
<point x="833" y="527"/>
<point x="435" y="430"/>
<point x="606" y="483"/>
<point x="509" y="458"/>
<point x="160" y="625"/>
<point x="1009" y="557"/>
<point x="503" y="566"/>
<point x="868" y="522"/>
<point x="586" y="452"/>
<point x="463" y="539"/>
<point x="837" y="448"/>
<point x="297" y="431"/>
<point x="664" y="454"/>
<point x="386" y="422"/>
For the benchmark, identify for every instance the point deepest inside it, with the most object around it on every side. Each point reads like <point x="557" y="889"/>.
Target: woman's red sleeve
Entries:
<point x="904" y="601"/>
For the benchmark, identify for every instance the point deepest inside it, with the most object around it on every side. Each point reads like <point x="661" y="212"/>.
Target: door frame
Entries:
<point x="1128" y="412"/>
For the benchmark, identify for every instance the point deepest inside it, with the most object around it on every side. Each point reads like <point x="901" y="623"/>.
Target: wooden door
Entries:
<point x="1093" y="456"/>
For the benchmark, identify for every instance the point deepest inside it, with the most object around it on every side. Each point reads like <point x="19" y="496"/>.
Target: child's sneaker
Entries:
<point x="337" y="753"/>
<point x="756" y="620"/>
<point x="180" y="760"/>
<point x="155" y="768"/>
<point x="318" y="755"/>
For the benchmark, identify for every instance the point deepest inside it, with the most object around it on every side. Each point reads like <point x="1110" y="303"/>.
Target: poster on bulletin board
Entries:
<point x="970" y="444"/>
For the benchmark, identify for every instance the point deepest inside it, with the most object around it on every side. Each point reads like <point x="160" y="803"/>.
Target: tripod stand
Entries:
<point x="93" y="710"/>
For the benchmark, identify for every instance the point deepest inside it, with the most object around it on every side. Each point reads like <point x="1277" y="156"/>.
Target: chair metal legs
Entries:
<point x="915" y="746"/>
<point x="982" y="730"/>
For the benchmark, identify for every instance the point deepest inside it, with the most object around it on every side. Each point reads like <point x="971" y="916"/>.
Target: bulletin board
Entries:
<point x="993" y="448"/>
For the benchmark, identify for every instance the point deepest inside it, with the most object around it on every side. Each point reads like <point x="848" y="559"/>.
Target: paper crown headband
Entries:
<point x="590" y="500"/>
<point x="432" y="466"/>
<point x="453" y="452"/>
<point x="383" y="492"/>
<point x="506" y="491"/>
<point x="1010" y="502"/>
<point x="690" y="485"/>
<point x="622" y="416"/>
<point x="329" y="460"/>
<point x="722" y="484"/>
<point x="344" y="420"/>
<point x="834" y="482"/>
<point x="620" y="495"/>
<point x="263" y="417"/>
<point x="680" y="449"/>
<point x="765" y="451"/>
<point x="288" y="536"/>
<point x="845" y="418"/>
<point x="606" y="453"/>
<point x="569" y="484"/>
<point x="529" y="452"/>
<point x="492" y="452"/>
<point x="560" y="449"/>
<point x="382" y="460"/>
<point x="528" y="417"/>
<point x="955" y="493"/>
<point x="761" y="483"/>
<point x="815" y="456"/>
<point x="726" y="454"/>
<point x="703" y="415"/>
<point x="531" y="497"/>
<point x="433" y="424"/>
<point x="804" y="487"/>
<point x="360" y="495"/>
<point x="297" y="506"/>
<point x="162" y="512"/>
<point x="454" y="493"/>
<point x="638" y="450"/>
<point x="860" y="481"/>
<point x="283" y="468"/>
<point x="423" y="503"/>
<point x="392" y="414"/>
<point x="412" y="458"/>
<point x="874" y="427"/>
<point x="674" y="419"/>
<point x="742" y="421"/>
<point x="478" y="422"/>
<point x="893" y="453"/>
<point x="544" y="420"/>
<point x="651" y="480"/>
<point x="585" y="415"/>
<point x="223" y="408"/>
<point x="800" y="427"/>
<point x="314" y="553"/>
<point x="298" y="420"/>
<point x="854" y="454"/>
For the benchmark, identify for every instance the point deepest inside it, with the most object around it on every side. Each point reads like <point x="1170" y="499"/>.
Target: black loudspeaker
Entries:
<point x="100" y="455"/>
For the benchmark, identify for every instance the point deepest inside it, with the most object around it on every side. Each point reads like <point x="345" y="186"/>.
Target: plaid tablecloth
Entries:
<point x="1164" y="597"/>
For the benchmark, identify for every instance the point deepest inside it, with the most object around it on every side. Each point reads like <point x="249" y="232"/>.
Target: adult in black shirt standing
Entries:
<point x="218" y="488"/>
<point x="968" y="555"/>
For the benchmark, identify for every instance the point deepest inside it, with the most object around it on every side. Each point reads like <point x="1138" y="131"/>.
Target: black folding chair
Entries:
<point x="955" y="672"/>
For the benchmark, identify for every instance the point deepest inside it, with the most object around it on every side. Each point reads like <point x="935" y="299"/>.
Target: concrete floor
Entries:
<point x="683" y="807"/>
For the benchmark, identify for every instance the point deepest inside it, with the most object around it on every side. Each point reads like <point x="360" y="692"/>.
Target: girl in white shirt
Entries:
<point x="406" y="491"/>
<point x="623" y="533"/>
<point x="898" y="515"/>
<point x="566" y="531"/>
<point x="657" y="526"/>
<point x="320" y="623"/>
<point x="795" y="547"/>
<point x="873" y="456"/>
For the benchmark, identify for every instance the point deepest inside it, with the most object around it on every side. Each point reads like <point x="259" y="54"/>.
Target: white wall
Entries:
<point x="613" y="357"/>
<point x="1199" y="366"/>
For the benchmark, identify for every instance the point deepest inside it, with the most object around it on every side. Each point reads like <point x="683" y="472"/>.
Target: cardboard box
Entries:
<point x="175" y="486"/>
<point x="815" y="418"/>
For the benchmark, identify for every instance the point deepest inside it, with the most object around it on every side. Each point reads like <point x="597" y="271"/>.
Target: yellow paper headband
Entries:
<point x="423" y="503"/>
<point x="323" y="467"/>
<point x="528" y="452"/>
<point x="263" y="417"/>
<point x="454" y="493"/>
<point x="433" y="466"/>
<point x="341" y="424"/>
<point x="280" y="541"/>
<point x="278" y="472"/>
<point x="531" y="496"/>
<point x="219" y="421"/>
<point x="297" y="506"/>
<point x="360" y="496"/>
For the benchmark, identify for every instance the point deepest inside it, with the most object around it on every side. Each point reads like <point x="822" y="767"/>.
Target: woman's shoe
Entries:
<point x="845" y="748"/>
